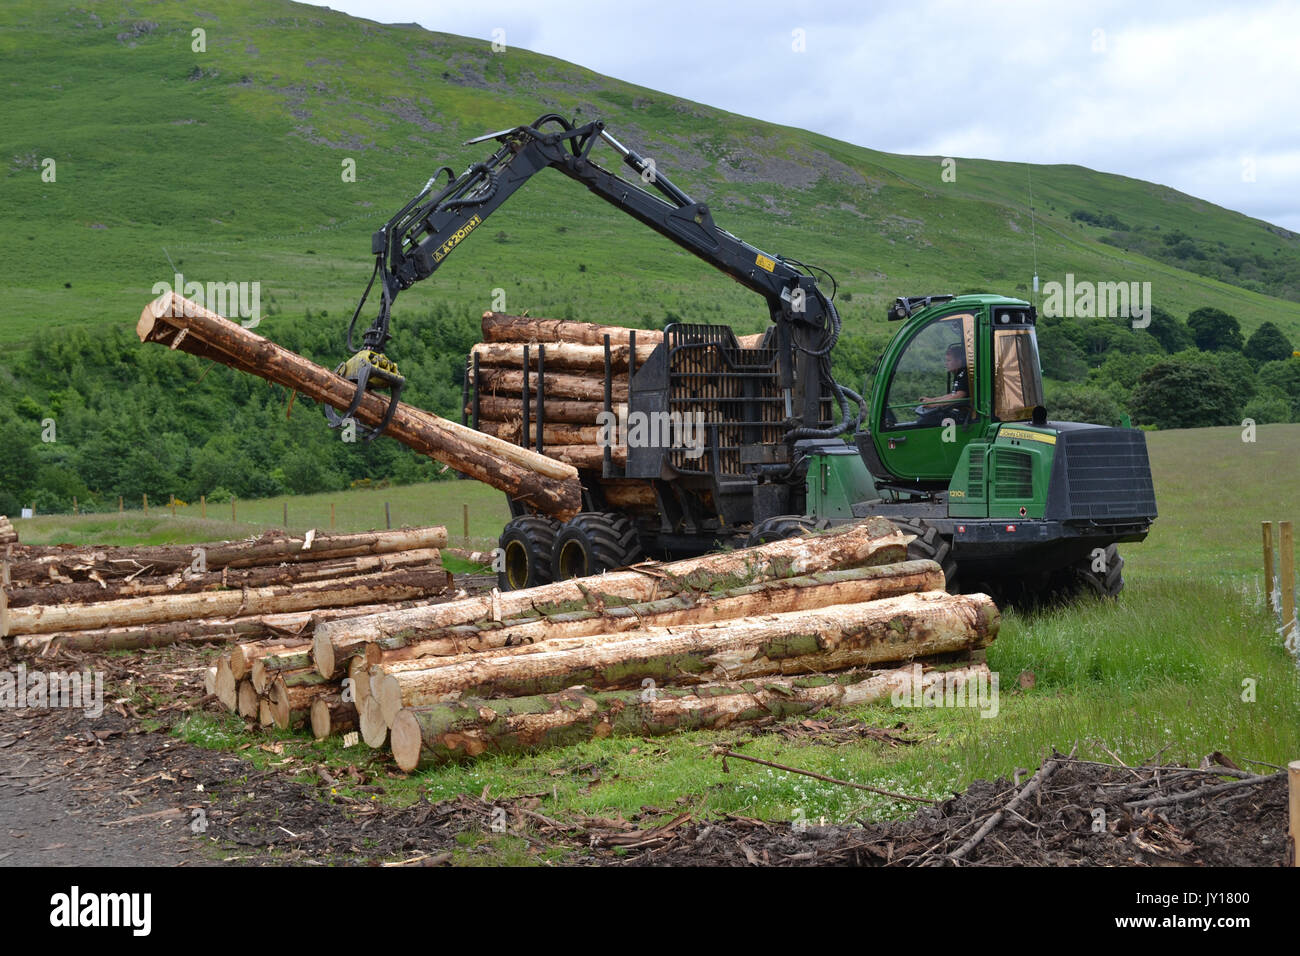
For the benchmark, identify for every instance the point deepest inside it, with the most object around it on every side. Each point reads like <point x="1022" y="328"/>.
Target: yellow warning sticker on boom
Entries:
<point x="765" y="263"/>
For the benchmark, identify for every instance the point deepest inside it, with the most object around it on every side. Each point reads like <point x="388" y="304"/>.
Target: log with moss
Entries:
<point x="382" y="587"/>
<point x="53" y="564"/>
<point x="185" y="582"/>
<point x="794" y="642"/>
<point x="428" y="736"/>
<point x="689" y="608"/>
<point x="873" y="541"/>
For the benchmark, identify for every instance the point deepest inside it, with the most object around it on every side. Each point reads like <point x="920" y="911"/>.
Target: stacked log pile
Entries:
<point x="790" y="627"/>
<point x="7" y="533"/>
<point x="569" y="360"/>
<point x="271" y="587"/>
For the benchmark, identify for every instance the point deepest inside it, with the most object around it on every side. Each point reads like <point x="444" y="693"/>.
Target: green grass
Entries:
<point x="1165" y="670"/>
<point x="234" y="174"/>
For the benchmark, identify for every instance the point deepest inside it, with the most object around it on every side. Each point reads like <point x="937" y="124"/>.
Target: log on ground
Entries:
<point x="874" y="541"/>
<point x="429" y="736"/>
<point x="794" y="642"/>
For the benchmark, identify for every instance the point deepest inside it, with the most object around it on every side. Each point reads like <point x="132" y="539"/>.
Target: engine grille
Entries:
<point x="1101" y="474"/>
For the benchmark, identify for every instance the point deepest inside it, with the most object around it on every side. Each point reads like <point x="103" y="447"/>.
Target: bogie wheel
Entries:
<point x="1100" y="574"/>
<point x="526" y="544"/>
<point x="929" y="543"/>
<point x="780" y="527"/>
<point x="593" y="542"/>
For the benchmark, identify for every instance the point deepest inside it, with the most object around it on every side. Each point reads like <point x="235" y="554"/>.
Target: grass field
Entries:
<point x="1169" y="669"/>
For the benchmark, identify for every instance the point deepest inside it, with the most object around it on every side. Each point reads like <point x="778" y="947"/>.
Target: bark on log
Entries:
<point x="173" y="321"/>
<point x="586" y="457"/>
<point x="505" y="408"/>
<point x="510" y="383"/>
<point x="203" y="631"/>
<point x="429" y="736"/>
<point x="85" y="592"/>
<point x="304" y="672"/>
<point x="43" y="565"/>
<point x="388" y="586"/>
<point x="559" y="357"/>
<point x="330" y="714"/>
<point x="291" y="706"/>
<point x="795" y="642"/>
<point x="244" y="656"/>
<point x="629" y="495"/>
<point x="874" y="541"/>
<point x="500" y="327"/>
<point x="509" y="430"/>
<point x="806" y="592"/>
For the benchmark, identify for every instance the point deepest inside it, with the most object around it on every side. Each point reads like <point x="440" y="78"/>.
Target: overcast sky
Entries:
<point x="1198" y="96"/>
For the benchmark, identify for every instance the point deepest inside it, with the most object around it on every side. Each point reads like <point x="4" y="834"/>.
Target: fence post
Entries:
<point x="464" y="514"/>
<point x="120" y="506"/>
<point x="145" y="499"/>
<point x="388" y="519"/>
<point x="172" y="504"/>
<point x="285" y="516"/>
<point x="1293" y="802"/>
<point x="75" y="510"/>
<point x="4" y="591"/>
<point x="1286" y="552"/>
<point x="331" y="516"/>
<point x="1269" y="594"/>
<point x="203" y="506"/>
<point x="232" y="510"/>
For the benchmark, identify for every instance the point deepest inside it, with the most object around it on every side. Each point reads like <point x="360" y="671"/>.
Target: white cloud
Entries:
<point x="1178" y="93"/>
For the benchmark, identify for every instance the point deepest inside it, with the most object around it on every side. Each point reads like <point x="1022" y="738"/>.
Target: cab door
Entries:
<point x="919" y="442"/>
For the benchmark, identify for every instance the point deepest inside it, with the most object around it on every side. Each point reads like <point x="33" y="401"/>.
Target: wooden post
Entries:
<point x="1293" y="803"/>
<point x="331" y="516"/>
<point x="120" y="506"/>
<point x="285" y="520"/>
<point x="203" y="506"/>
<point x="4" y="591"/>
<point x="145" y="499"/>
<point x="388" y="518"/>
<point x="75" y="511"/>
<point x="1268" y="566"/>
<point x="1286" y="554"/>
<point x="464" y="514"/>
<point x="172" y="504"/>
<point x="232" y="510"/>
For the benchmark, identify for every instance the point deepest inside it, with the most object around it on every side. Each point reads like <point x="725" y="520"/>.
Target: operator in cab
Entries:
<point x="956" y="403"/>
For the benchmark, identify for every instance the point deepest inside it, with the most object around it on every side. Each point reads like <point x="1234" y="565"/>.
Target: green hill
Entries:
<point x="226" y="165"/>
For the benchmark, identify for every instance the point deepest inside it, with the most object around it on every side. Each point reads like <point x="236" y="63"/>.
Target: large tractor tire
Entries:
<point x="592" y="542"/>
<point x="1085" y="578"/>
<point x="930" y="544"/>
<point x="526" y="544"/>
<point x="780" y="527"/>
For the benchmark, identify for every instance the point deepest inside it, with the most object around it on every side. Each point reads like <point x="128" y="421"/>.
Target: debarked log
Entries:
<point x="459" y="730"/>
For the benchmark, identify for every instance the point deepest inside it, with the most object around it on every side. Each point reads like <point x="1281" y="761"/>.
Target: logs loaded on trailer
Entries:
<point x="790" y="627"/>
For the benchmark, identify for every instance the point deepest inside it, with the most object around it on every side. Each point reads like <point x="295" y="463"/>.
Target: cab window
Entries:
<point x="936" y="364"/>
<point x="1017" y="383"/>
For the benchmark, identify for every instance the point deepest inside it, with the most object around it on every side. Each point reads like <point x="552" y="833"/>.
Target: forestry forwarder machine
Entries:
<point x="1002" y="498"/>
